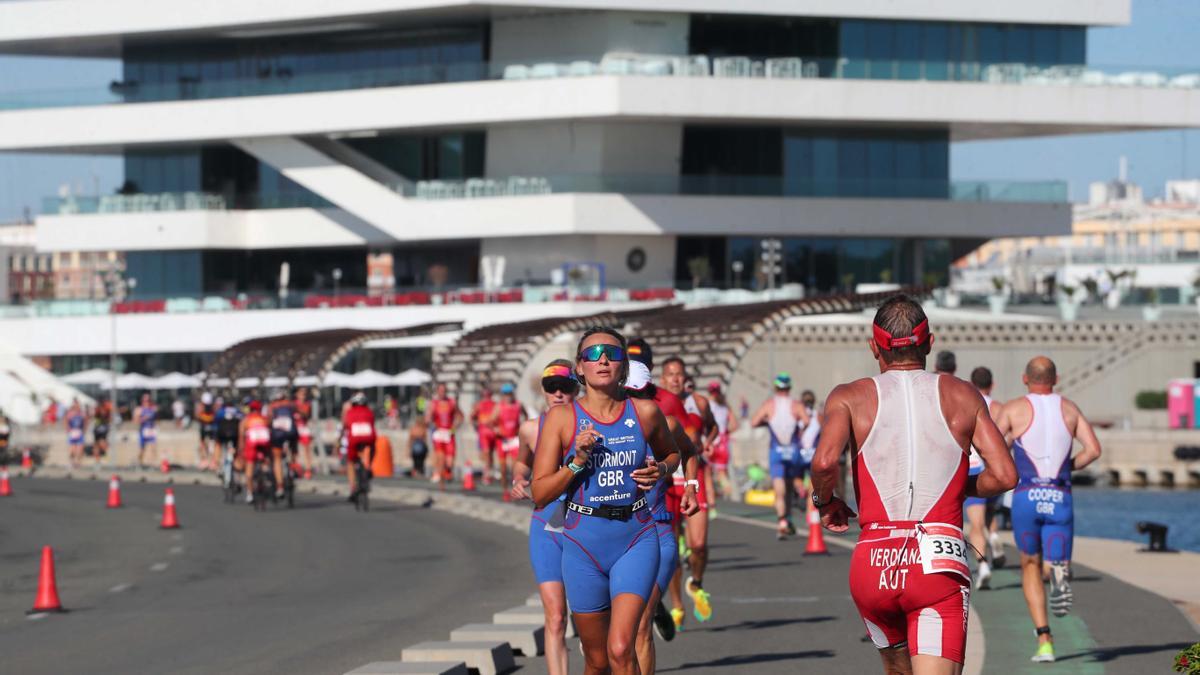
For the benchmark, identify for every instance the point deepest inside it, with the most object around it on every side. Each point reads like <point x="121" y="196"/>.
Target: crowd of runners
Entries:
<point x="625" y="462"/>
<point x="624" y="468"/>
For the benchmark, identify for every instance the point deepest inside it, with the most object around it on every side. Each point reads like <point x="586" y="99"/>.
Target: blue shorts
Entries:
<point x="668" y="555"/>
<point x="144" y="440"/>
<point x="606" y="558"/>
<point x="785" y="462"/>
<point x="1043" y="521"/>
<point x="545" y="550"/>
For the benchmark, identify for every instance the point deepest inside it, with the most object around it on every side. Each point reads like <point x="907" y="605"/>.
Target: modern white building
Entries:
<point x="662" y="139"/>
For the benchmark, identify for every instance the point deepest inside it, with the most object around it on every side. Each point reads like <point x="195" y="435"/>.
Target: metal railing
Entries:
<point x="613" y="63"/>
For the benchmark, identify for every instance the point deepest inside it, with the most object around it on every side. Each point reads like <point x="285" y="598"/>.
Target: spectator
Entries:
<point x="418" y="447"/>
<point x="178" y="412"/>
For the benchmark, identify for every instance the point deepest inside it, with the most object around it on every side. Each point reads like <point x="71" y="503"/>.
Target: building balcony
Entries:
<point x="281" y="81"/>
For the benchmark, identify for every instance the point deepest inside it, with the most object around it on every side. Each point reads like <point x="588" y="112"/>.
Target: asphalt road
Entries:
<point x="321" y="589"/>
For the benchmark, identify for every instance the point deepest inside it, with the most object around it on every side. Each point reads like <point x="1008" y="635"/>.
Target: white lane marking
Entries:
<point x="36" y="617"/>
<point x="176" y="550"/>
<point x="159" y="567"/>
<point x="120" y="588"/>
<point x="177" y="536"/>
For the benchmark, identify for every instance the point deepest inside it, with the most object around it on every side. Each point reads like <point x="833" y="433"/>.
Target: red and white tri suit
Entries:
<point x="908" y="574"/>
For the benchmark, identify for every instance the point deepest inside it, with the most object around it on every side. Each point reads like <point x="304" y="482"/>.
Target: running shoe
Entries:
<point x="677" y="618"/>
<point x="781" y="532"/>
<point x="1061" y="596"/>
<point x="664" y="624"/>
<point x="1044" y="654"/>
<point x="983" y="576"/>
<point x="997" y="550"/>
<point x="701" y="599"/>
<point x="791" y="529"/>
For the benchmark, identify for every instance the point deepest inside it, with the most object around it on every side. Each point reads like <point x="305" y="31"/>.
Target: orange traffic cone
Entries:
<point x="47" y="592"/>
<point x="5" y="488"/>
<point x="381" y="460"/>
<point x="166" y="466"/>
<point x="816" y="538"/>
<point x="169" y="520"/>
<point x="468" y="478"/>
<point x="26" y="459"/>
<point x="114" y="492"/>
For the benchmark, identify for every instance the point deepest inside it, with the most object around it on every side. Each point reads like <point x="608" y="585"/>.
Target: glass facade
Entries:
<point x="224" y="170"/>
<point x="821" y="162"/>
<point x="194" y="273"/>
<point x="276" y="64"/>
<point x="446" y="156"/>
<point x="821" y="264"/>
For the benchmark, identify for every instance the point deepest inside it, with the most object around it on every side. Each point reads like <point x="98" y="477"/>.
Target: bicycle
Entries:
<point x="362" y="479"/>
<point x="229" y="476"/>
<point x="263" y="481"/>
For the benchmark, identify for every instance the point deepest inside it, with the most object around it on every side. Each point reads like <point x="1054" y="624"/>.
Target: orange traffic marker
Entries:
<point x="816" y="538"/>
<point x="468" y="478"/>
<point x="5" y="488"/>
<point x="47" y="593"/>
<point x="26" y="459"/>
<point x="114" y="492"/>
<point x="381" y="459"/>
<point x="169" y="520"/>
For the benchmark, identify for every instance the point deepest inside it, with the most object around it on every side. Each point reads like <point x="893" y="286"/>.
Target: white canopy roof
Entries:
<point x="91" y="376"/>
<point x="130" y="381"/>
<point x="176" y="380"/>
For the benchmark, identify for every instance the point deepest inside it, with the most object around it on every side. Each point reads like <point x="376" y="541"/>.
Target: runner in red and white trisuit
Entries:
<point x="444" y="416"/>
<point x="910" y="432"/>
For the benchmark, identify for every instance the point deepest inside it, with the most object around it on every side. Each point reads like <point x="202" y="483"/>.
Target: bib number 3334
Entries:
<point x="943" y="550"/>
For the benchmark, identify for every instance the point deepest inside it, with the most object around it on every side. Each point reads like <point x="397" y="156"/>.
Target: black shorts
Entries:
<point x="419" y="448"/>
<point x="208" y="432"/>
<point x="284" y="440"/>
<point x="100" y="432"/>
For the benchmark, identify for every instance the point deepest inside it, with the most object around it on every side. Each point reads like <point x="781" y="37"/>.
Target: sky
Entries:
<point x="1164" y="34"/>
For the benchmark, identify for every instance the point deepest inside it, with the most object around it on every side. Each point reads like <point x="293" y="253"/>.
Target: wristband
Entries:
<point x="692" y="483"/>
<point x="575" y="468"/>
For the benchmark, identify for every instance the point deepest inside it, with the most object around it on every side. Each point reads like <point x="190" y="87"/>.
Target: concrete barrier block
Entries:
<point x="528" y="614"/>
<point x="416" y="668"/>
<point x="527" y="638"/>
<point x="489" y="658"/>
<point x="534" y="600"/>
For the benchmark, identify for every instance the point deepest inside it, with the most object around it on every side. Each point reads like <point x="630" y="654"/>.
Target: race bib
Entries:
<point x="442" y="436"/>
<point x="148" y="433"/>
<point x="258" y="435"/>
<point x="360" y="430"/>
<point x="304" y="430"/>
<point x="282" y="424"/>
<point x="943" y="550"/>
<point x="75" y="435"/>
<point x="510" y="444"/>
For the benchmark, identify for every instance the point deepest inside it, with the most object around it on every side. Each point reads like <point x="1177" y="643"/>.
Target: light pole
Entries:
<point x="116" y="287"/>
<point x="772" y="255"/>
<point x="337" y="279"/>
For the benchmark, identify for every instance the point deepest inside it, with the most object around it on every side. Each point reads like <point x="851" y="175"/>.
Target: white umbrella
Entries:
<point x="275" y="381"/>
<point x="306" y="381"/>
<point x="366" y="379"/>
<point x="176" y="380"/>
<point x="335" y="379"/>
<point x="91" y="376"/>
<point x="217" y="382"/>
<point x="412" y="377"/>
<point x="245" y="383"/>
<point x="131" y="381"/>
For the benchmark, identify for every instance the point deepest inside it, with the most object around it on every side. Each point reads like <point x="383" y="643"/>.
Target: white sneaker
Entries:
<point x="983" y="576"/>
<point x="996" y="549"/>
<point x="249" y="497"/>
<point x="1061" y="597"/>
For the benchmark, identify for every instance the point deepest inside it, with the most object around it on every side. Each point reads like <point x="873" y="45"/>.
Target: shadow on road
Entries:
<point x="765" y="623"/>
<point x="750" y="659"/>
<point x="1112" y="653"/>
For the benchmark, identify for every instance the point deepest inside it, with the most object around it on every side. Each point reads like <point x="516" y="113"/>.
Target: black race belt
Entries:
<point x="609" y="512"/>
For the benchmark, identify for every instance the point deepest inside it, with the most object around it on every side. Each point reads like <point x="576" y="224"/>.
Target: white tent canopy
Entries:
<point x="130" y="381"/>
<point x="412" y="378"/>
<point x="176" y="380"/>
<point x="91" y="376"/>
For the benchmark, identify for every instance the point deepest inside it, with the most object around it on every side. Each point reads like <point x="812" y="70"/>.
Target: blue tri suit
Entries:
<point x="146" y="433"/>
<point x="784" y="456"/>
<point x="545" y="547"/>
<point x="1043" y="519"/>
<point x="75" y="429"/>
<point x="604" y="558"/>
<point x="668" y="551"/>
